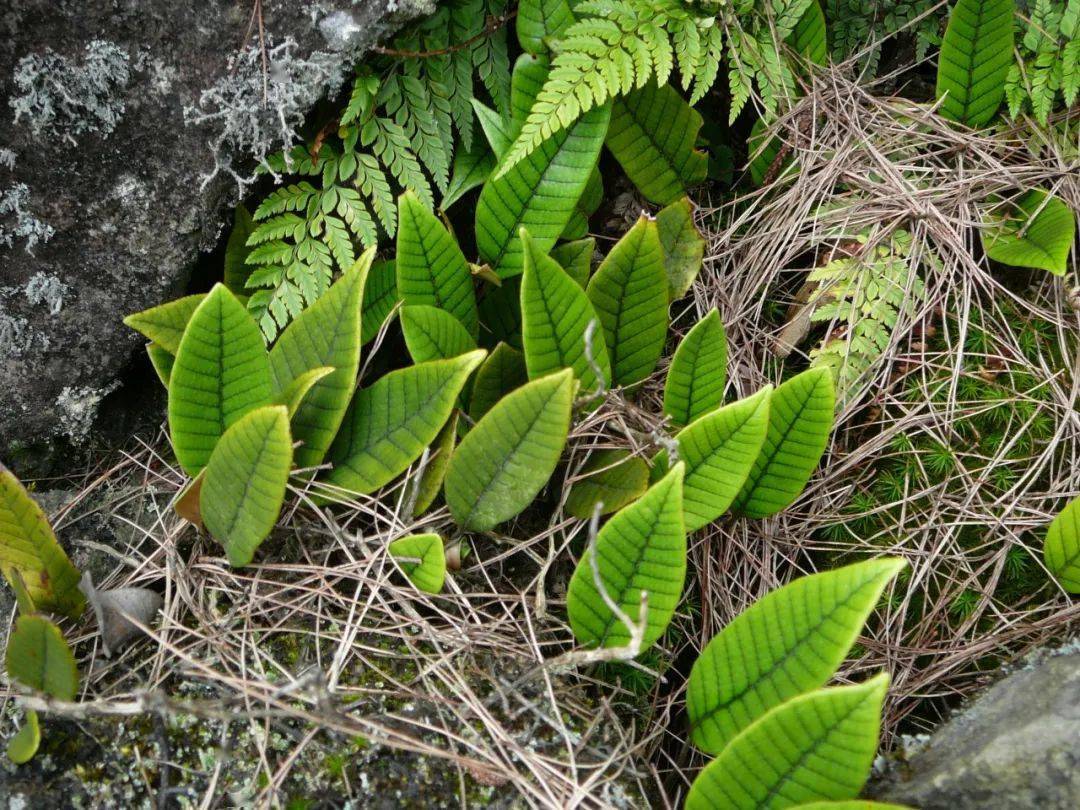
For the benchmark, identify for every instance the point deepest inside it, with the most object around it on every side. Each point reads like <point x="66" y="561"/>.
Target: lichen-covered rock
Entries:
<point x="126" y="128"/>
<point x="1017" y="747"/>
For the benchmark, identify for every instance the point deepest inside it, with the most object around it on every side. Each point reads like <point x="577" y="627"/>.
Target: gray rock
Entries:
<point x="128" y="127"/>
<point x="1017" y="747"/>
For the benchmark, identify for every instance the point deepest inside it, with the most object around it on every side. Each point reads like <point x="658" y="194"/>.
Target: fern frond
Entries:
<point x="862" y="298"/>
<point x="391" y="146"/>
<point x="609" y="53"/>
<point x="373" y="184"/>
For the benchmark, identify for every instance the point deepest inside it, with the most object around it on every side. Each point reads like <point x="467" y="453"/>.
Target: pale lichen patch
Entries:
<point x="65" y="97"/>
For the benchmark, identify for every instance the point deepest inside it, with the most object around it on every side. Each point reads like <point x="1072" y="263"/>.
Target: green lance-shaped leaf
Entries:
<point x="380" y="298"/>
<point x="244" y="488"/>
<point x="431" y="269"/>
<point x="391" y="422"/>
<point x="1039" y="234"/>
<point x="325" y="334"/>
<point x="162" y="362"/>
<point x="530" y="73"/>
<point x="652" y="135"/>
<point x="976" y="53"/>
<point x="642" y="548"/>
<point x="506" y="459"/>
<point x="38" y="657"/>
<point x="423" y="559"/>
<point x="538" y="193"/>
<point x="629" y="294"/>
<point x="787" y="643"/>
<point x="809" y="35"/>
<point x="296" y="392"/>
<point x="698" y="372"/>
<point x="612" y="478"/>
<point x="30" y="558"/>
<point x="800" y="421"/>
<point x="24" y="743"/>
<point x="221" y="372"/>
<point x="165" y="323"/>
<point x="576" y="259"/>
<point x="719" y="450"/>
<point x="540" y="22"/>
<point x="683" y="245"/>
<point x="237" y="270"/>
<point x="555" y="317"/>
<point x="501" y="373"/>
<point x="433" y="334"/>
<point x="431" y="480"/>
<point x="1062" y="549"/>
<point x="816" y="746"/>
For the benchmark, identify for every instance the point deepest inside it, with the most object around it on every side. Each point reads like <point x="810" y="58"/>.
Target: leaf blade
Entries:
<point x="431" y="269"/>
<point x="241" y="496"/>
<point x="613" y="478"/>
<point x="38" y="657"/>
<point x="30" y="556"/>
<point x="683" y="246"/>
<point x="698" y="372"/>
<point x="1041" y="239"/>
<point x="221" y="372"/>
<point x="537" y="193"/>
<point x="433" y="334"/>
<point x="391" y="422"/>
<point x="976" y="52"/>
<point x="799" y="635"/>
<point x="555" y="317"/>
<point x="816" y="746"/>
<point x="652" y="134"/>
<point x="629" y="295"/>
<point x="800" y="422"/>
<point x="642" y="548"/>
<point x="326" y="334"/>
<point x="164" y="324"/>
<point x="505" y="460"/>
<point x="428" y="573"/>
<point x="1061" y="551"/>
<point x="719" y="450"/>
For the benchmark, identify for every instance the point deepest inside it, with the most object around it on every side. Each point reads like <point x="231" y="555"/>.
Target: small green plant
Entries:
<point x="31" y="559"/>
<point x="755" y="698"/>
<point x="423" y="560"/>
<point x="1047" y="70"/>
<point x="862" y="298"/>
<point x="45" y="581"/>
<point x="615" y="48"/>
<point x="1037" y="230"/>
<point x="39" y="658"/>
<point x="1062" y="549"/>
<point x="974" y="76"/>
